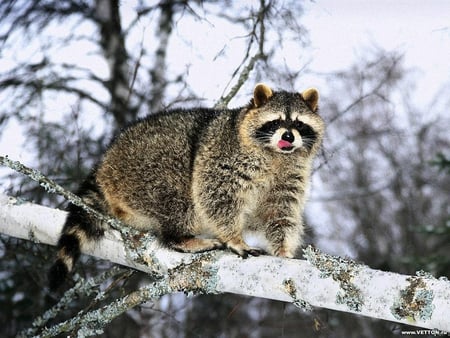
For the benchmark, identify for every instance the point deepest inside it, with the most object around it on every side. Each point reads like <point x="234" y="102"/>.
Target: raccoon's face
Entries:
<point x="286" y="134"/>
<point x="285" y="122"/>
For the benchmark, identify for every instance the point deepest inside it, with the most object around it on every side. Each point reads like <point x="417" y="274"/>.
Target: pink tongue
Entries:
<point x="284" y="144"/>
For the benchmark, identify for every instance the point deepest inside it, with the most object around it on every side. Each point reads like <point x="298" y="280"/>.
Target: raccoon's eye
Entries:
<point x="267" y="130"/>
<point x="304" y="129"/>
<point x="270" y="127"/>
<point x="298" y="125"/>
<point x="275" y="124"/>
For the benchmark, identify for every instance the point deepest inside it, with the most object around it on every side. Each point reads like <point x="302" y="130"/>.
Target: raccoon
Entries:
<point x="202" y="179"/>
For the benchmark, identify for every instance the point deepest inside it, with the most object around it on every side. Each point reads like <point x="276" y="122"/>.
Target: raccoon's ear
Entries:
<point x="261" y="94"/>
<point x="311" y="97"/>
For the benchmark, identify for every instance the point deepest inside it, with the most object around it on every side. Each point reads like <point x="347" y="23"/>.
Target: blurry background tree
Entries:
<point x="74" y="72"/>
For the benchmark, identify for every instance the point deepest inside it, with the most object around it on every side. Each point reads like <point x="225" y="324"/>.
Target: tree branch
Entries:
<point x="259" y="55"/>
<point x="52" y="187"/>
<point x="420" y="300"/>
<point x="81" y="288"/>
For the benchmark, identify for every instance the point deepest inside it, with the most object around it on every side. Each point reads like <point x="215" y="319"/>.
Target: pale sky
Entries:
<point x="340" y="32"/>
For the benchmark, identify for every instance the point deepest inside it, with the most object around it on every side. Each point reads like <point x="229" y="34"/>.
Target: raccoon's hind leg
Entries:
<point x="177" y="237"/>
<point x="195" y="244"/>
<point x="79" y="229"/>
<point x="179" y="233"/>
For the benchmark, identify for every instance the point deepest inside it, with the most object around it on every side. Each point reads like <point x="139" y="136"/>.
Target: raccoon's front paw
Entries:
<point x="243" y="250"/>
<point x="244" y="253"/>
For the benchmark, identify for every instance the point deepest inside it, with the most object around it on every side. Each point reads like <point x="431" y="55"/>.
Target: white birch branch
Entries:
<point x="319" y="281"/>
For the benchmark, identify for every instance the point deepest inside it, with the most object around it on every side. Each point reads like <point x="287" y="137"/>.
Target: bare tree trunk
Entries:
<point x="158" y="73"/>
<point x="112" y="43"/>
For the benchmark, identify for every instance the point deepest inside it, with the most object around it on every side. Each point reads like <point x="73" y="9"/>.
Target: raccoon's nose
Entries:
<point x="288" y="136"/>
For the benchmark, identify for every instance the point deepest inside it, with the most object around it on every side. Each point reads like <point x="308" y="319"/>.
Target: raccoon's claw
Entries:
<point x="255" y="252"/>
<point x="245" y="252"/>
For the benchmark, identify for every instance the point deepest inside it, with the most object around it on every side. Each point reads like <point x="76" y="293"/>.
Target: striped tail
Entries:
<point x="79" y="229"/>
